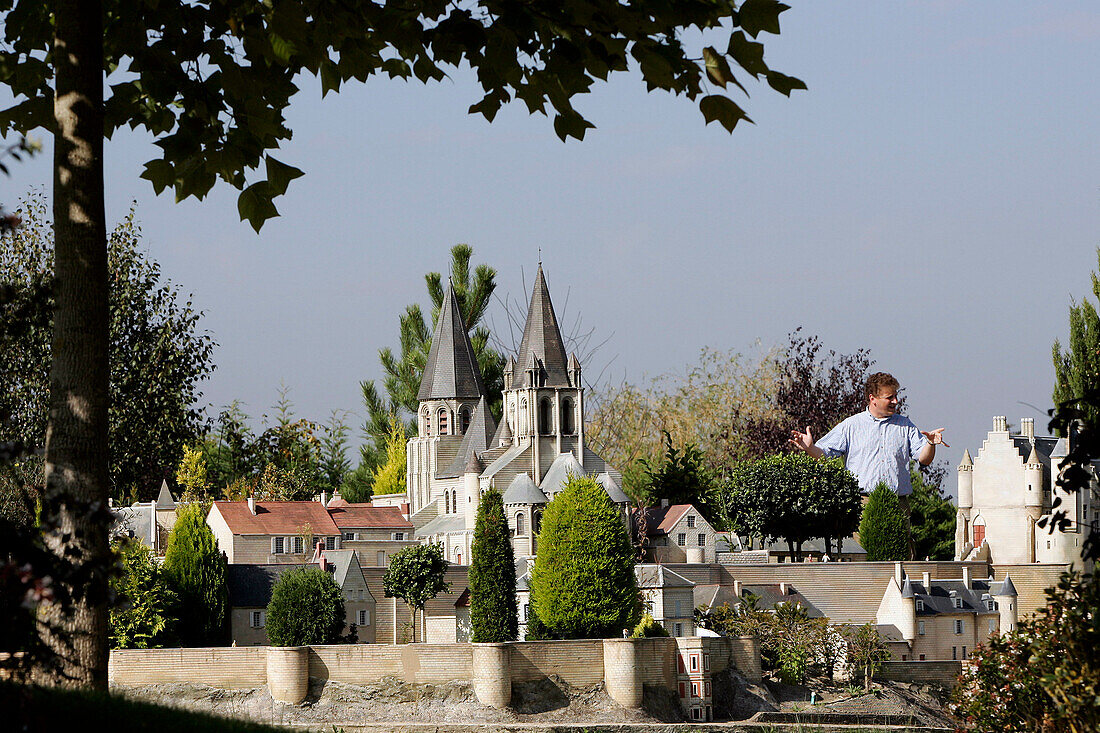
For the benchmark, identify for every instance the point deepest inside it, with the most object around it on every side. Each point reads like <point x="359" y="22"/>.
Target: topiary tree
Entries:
<point x="306" y="607"/>
<point x="884" y="529"/>
<point x="493" y="612"/>
<point x="648" y="627"/>
<point x="196" y="571"/>
<point x="145" y="609"/>
<point x="583" y="585"/>
<point x="416" y="575"/>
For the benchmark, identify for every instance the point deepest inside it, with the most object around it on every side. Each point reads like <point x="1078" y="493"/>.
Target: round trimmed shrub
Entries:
<point x="306" y="607"/>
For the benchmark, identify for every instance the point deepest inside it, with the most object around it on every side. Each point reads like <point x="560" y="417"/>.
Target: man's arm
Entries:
<point x="928" y="452"/>
<point x="805" y="443"/>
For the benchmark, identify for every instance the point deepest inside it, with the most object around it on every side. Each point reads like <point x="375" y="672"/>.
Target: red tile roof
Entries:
<point x="661" y="519"/>
<point x="365" y="516"/>
<point x="277" y="517"/>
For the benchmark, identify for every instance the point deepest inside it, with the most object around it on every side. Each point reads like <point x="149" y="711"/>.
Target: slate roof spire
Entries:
<point x="541" y="342"/>
<point x="451" y="371"/>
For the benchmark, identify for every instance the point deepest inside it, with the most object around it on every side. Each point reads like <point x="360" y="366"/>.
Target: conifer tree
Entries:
<point x="196" y="570"/>
<point x="884" y="530"/>
<point x="583" y="585"/>
<point x="389" y="478"/>
<point x="493" y="612"/>
<point x="1077" y="370"/>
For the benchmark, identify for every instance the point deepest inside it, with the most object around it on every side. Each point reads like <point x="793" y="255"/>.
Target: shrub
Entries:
<point x="145" y="610"/>
<point x="649" y="627"/>
<point x="196" y="571"/>
<point x="884" y="530"/>
<point x="493" y="612"/>
<point x="583" y="585"/>
<point x="306" y="607"/>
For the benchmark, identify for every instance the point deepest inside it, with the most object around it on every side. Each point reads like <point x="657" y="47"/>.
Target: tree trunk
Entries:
<point x="76" y="436"/>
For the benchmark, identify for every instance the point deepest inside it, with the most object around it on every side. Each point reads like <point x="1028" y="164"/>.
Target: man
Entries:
<point x="877" y="444"/>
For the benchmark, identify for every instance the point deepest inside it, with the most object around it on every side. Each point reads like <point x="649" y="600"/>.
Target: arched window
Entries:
<point x="458" y="556"/>
<point x="546" y="417"/>
<point x="519" y="523"/>
<point x="427" y="423"/>
<point x="522" y="425"/>
<point x="568" y="417"/>
<point x="536" y="521"/>
<point x="464" y="419"/>
<point x="454" y="500"/>
<point x="446" y="502"/>
<point x="443" y="421"/>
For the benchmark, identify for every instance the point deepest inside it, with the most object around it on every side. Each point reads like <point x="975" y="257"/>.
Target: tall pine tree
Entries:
<point x="1077" y="370"/>
<point x="196" y="570"/>
<point x="493" y="612"/>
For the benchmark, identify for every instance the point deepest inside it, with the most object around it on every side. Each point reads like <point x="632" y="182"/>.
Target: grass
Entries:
<point x="39" y="709"/>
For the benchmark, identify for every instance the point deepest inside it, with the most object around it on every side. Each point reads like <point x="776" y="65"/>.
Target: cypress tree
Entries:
<point x="493" y="612"/>
<point x="583" y="585"/>
<point x="884" y="530"/>
<point x="196" y="570"/>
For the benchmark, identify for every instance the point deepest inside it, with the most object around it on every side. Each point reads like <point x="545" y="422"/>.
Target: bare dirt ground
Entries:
<point x="545" y="703"/>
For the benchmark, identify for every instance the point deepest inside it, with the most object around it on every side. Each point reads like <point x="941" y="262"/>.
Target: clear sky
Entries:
<point x="934" y="196"/>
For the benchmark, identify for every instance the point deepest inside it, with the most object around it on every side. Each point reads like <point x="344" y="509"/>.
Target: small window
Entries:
<point x="706" y="689"/>
<point x="526" y="612"/>
<point x="964" y="652"/>
<point x="546" y="417"/>
<point x="694" y="693"/>
<point x="348" y="536"/>
<point x="958" y="602"/>
<point x="920" y="605"/>
<point x="298" y="546"/>
<point x="920" y="628"/>
<point x="706" y="666"/>
<point x="679" y="630"/>
<point x="691" y="521"/>
<point x="380" y="560"/>
<point x="519" y="523"/>
<point x="681" y="539"/>
<point x="330" y="543"/>
<point x="464" y="419"/>
<point x="905" y="657"/>
<point x="958" y="626"/>
<point x="696" y="713"/>
<point x="258" y="619"/>
<point x="364" y="617"/>
<point x="694" y="662"/>
<point x="442" y="417"/>
<point x="277" y="545"/>
<point x="921" y="658"/>
<point x="991" y="605"/>
<point x="954" y="654"/>
<point x="399" y="536"/>
<point x="702" y="540"/>
<point x="568" y="421"/>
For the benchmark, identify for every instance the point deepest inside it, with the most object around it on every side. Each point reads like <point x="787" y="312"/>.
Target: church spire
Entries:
<point x="541" y="342"/>
<point x="451" y="371"/>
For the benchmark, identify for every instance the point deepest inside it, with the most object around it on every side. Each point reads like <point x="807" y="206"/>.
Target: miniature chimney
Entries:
<point x="1027" y="428"/>
<point x="783" y="589"/>
<point x="1000" y="424"/>
<point x="405" y="510"/>
<point x="926" y="578"/>
<point x="664" y="503"/>
<point x="737" y="588"/>
<point x="324" y="498"/>
<point x="966" y="576"/>
<point x="899" y="574"/>
<point x="252" y="504"/>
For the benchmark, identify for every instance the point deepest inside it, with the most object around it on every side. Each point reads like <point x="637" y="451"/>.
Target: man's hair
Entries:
<point x="877" y="381"/>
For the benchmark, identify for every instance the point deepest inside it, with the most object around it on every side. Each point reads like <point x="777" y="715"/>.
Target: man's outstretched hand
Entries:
<point x="935" y="437"/>
<point x="802" y="441"/>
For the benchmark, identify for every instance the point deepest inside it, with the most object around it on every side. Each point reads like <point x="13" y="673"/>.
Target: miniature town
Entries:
<point x="930" y="615"/>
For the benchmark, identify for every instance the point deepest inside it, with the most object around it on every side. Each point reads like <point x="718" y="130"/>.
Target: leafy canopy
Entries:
<point x="306" y="607"/>
<point x="493" y="613"/>
<point x="416" y="575"/>
<point x="212" y="81"/>
<point x="583" y="584"/>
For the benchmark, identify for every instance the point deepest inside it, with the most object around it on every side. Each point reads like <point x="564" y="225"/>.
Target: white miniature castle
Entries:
<point x="1008" y="489"/>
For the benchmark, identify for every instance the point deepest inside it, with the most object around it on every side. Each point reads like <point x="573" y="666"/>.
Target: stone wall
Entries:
<point x="230" y="668"/>
<point x="940" y="673"/>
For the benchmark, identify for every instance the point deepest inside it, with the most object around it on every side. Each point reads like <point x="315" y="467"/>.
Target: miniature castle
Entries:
<point x="1006" y="491"/>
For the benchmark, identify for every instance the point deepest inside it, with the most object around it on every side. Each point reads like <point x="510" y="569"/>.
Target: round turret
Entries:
<point x="1033" y="480"/>
<point x="1007" y="605"/>
<point x="966" y="481"/>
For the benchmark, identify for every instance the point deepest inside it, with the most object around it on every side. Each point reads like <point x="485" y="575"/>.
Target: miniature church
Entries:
<point x="461" y="451"/>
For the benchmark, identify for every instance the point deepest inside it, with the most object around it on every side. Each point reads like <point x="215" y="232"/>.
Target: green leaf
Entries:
<point x="282" y="48"/>
<point x="279" y="175"/>
<point x="783" y="83"/>
<point x="723" y="109"/>
<point x="254" y="205"/>
<point x="330" y="78"/>
<point x="571" y="124"/>
<point x="749" y="55"/>
<point x="760" y="15"/>
<point x="719" y="70"/>
<point x="160" y="173"/>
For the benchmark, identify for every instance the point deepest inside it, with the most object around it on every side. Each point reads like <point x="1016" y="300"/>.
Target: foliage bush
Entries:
<point x="196" y="571"/>
<point x="145" y="609"/>
<point x="306" y="607"/>
<point x="866" y="652"/>
<point x="582" y="584"/>
<point x="1045" y="676"/>
<point x="648" y="627"/>
<point x="884" y="529"/>
<point x="493" y="613"/>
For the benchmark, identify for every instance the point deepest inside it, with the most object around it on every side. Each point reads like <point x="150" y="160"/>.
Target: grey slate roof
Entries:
<point x="649" y="575"/>
<point x="940" y="597"/>
<point x="164" y="498"/>
<point x="772" y="595"/>
<point x="250" y="586"/>
<point x="478" y="438"/>
<point x="541" y="341"/>
<point x="1045" y="446"/>
<point x="345" y="562"/>
<point x="134" y="522"/>
<point x="451" y="371"/>
<point x="1005" y="588"/>
<point x="505" y="458"/>
<point x="522" y="490"/>
<point x="613" y="490"/>
<point x="564" y="466"/>
<point x="442" y="525"/>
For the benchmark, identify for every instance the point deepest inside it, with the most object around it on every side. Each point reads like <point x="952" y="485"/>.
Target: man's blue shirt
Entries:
<point x="876" y="449"/>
